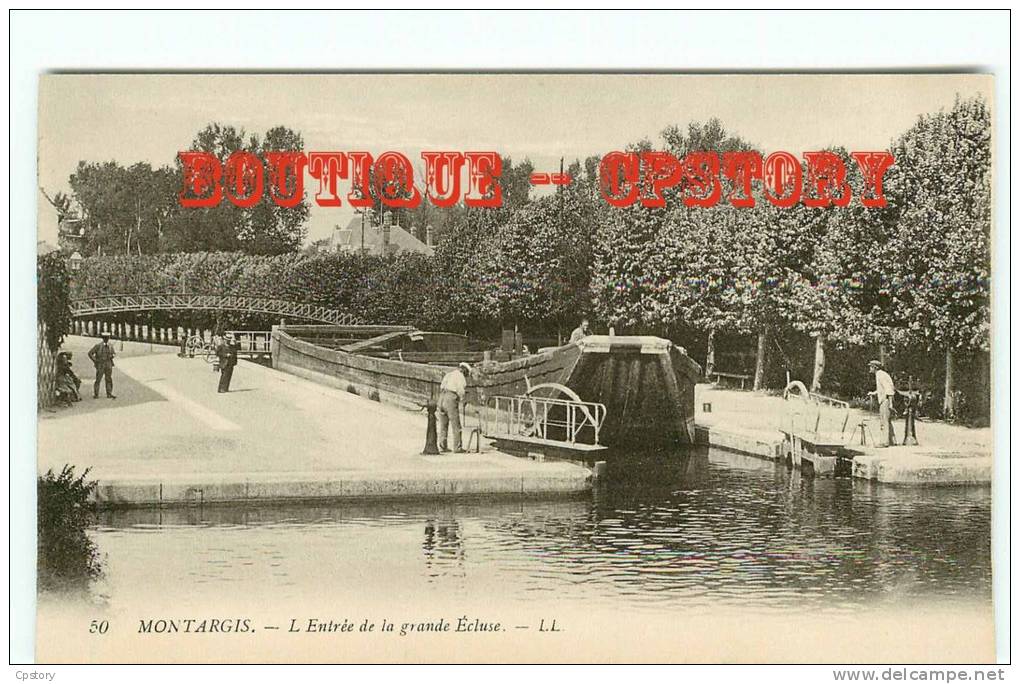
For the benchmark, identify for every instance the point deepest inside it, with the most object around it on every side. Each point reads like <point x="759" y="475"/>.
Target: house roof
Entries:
<point x="43" y="247"/>
<point x="400" y="238"/>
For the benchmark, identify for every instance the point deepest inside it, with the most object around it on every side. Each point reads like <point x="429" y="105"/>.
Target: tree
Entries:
<point x="126" y="210"/>
<point x="703" y="294"/>
<point x="701" y="272"/>
<point x="270" y="228"/>
<point x="940" y="257"/>
<point x="535" y="266"/>
<point x="629" y="268"/>
<point x="516" y="182"/>
<point x="839" y="295"/>
<point x="457" y="270"/>
<point x="61" y="202"/>
<point x="710" y="136"/>
<point x="136" y="209"/>
<point x="768" y="244"/>
<point x="679" y="262"/>
<point x="265" y="228"/>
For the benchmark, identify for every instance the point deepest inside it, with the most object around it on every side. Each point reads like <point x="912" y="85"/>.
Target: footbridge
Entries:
<point x="118" y="303"/>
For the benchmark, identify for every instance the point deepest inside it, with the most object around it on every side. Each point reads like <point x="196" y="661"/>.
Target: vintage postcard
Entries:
<point x="515" y="367"/>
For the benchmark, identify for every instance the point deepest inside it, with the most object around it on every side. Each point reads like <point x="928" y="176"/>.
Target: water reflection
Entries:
<point x="695" y="532"/>
<point x="443" y="548"/>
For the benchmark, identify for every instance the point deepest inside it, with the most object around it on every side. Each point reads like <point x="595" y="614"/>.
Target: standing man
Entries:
<point x="101" y="356"/>
<point x="884" y="391"/>
<point x="451" y="395"/>
<point x="580" y="332"/>
<point x="227" y="354"/>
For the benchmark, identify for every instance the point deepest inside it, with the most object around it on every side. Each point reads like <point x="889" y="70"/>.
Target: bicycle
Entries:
<point x="196" y="346"/>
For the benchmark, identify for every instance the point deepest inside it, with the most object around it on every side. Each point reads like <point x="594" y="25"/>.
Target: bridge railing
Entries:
<point x="116" y="303"/>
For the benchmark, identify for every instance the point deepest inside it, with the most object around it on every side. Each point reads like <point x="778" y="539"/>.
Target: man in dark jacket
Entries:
<point x="101" y="356"/>
<point x="227" y="353"/>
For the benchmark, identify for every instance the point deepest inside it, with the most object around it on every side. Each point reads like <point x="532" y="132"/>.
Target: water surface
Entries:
<point x="707" y="530"/>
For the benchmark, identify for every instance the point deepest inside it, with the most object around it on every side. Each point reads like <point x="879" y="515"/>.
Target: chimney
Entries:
<point x="428" y="235"/>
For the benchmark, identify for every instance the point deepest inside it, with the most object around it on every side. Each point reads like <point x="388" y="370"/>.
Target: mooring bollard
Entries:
<point x="910" y="420"/>
<point x="431" y="434"/>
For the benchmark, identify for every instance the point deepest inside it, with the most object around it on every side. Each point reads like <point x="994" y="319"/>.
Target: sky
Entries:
<point x="132" y="118"/>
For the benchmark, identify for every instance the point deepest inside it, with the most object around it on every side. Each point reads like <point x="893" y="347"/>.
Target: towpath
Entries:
<point x="170" y="437"/>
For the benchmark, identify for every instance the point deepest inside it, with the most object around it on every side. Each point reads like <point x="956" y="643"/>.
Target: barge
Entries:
<point x="646" y="383"/>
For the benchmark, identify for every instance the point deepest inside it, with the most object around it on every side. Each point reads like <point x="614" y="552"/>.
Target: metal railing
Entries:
<point x="815" y="415"/>
<point x="114" y="303"/>
<point x="553" y="420"/>
<point x="253" y="341"/>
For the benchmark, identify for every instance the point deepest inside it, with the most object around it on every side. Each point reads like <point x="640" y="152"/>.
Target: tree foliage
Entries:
<point x="392" y="289"/>
<point x="53" y="292"/>
<point x="67" y="558"/>
<point x="534" y="268"/>
<point x="911" y="274"/>
<point x="127" y="210"/>
<point x="939" y="261"/>
<point x="135" y="210"/>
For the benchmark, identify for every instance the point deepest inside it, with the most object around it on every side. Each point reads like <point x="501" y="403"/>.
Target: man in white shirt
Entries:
<point x="451" y="395"/>
<point x="884" y="391"/>
<point x="580" y="332"/>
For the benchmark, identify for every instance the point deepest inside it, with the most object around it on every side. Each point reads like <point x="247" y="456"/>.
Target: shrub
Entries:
<point x="67" y="558"/>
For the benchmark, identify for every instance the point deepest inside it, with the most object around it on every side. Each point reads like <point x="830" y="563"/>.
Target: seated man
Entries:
<point x="67" y="383"/>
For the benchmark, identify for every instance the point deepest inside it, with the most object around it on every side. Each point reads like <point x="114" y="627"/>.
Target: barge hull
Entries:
<point x="646" y="383"/>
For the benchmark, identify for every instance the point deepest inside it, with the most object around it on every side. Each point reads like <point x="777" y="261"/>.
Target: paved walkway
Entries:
<point x="170" y="436"/>
<point x="754" y="411"/>
<point x="947" y="454"/>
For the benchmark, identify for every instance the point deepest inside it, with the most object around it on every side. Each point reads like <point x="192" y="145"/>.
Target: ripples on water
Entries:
<point x="709" y="529"/>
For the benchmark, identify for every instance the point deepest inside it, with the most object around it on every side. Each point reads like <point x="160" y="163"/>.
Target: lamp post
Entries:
<point x="74" y="265"/>
<point x="386" y="228"/>
<point x="362" y="212"/>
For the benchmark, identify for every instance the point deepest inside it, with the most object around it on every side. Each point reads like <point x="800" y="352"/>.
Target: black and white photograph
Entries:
<point x="516" y="367"/>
